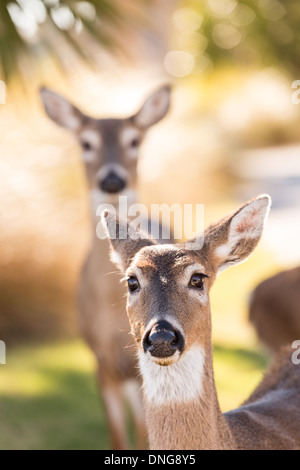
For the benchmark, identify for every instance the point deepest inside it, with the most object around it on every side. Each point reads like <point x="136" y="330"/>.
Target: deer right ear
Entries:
<point x="125" y="240"/>
<point x="61" y="110"/>
<point x="234" y="238"/>
<point x="154" y="108"/>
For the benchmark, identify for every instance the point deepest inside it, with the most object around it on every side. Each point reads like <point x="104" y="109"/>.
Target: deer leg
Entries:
<point x="133" y="394"/>
<point x="115" y="413"/>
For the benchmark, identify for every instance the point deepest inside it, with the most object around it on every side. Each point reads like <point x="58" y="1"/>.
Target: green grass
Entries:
<point x="237" y="372"/>
<point x="48" y="394"/>
<point x="49" y="399"/>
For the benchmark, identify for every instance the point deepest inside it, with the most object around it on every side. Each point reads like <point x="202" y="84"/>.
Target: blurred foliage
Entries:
<point x="30" y="30"/>
<point x="209" y="32"/>
<point x="239" y="32"/>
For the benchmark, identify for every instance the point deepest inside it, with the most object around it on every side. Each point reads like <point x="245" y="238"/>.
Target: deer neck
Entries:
<point x="182" y="408"/>
<point x="101" y="201"/>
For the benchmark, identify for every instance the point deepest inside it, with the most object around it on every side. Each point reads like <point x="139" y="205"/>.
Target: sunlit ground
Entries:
<point x="48" y="397"/>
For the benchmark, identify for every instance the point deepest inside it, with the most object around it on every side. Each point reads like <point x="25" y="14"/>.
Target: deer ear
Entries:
<point x="154" y="108"/>
<point x="234" y="238"/>
<point x="125" y="240"/>
<point x="61" y="110"/>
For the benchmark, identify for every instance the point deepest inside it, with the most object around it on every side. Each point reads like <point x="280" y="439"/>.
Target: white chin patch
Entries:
<point x="177" y="382"/>
<point x="99" y="197"/>
<point x="164" y="361"/>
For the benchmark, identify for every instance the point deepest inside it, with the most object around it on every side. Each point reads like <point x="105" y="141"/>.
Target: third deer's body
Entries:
<point x="275" y="311"/>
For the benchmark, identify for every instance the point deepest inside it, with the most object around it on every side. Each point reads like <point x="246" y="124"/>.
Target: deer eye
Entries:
<point x="197" y="280"/>
<point x="86" y="145"/>
<point x="134" y="143"/>
<point x="133" y="283"/>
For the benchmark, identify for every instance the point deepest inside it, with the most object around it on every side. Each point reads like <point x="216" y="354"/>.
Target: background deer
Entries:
<point x="169" y="313"/>
<point x="274" y="309"/>
<point x="110" y="149"/>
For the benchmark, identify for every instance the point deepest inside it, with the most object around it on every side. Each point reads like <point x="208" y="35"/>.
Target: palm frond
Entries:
<point x="28" y="26"/>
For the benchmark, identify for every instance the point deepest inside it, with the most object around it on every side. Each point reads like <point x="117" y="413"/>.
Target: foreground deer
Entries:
<point x="110" y="149"/>
<point x="169" y="312"/>
<point x="274" y="309"/>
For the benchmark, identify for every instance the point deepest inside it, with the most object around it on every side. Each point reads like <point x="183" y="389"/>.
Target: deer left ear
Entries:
<point x="124" y="239"/>
<point x="61" y="110"/>
<point x="234" y="238"/>
<point x="154" y="108"/>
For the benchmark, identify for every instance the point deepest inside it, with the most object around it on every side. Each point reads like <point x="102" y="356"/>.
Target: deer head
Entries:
<point x="110" y="147"/>
<point x="168" y="285"/>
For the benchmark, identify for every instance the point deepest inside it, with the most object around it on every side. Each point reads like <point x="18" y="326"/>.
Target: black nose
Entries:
<point x="112" y="183"/>
<point x="162" y="340"/>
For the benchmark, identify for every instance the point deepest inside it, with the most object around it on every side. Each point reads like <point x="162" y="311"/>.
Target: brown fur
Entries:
<point x="198" y="425"/>
<point x="274" y="309"/>
<point x="270" y="418"/>
<point x="101" y="297"/>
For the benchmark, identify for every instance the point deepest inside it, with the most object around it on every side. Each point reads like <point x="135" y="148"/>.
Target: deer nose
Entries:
<point x="162" y="340"/>
<point x="112" y="183"/>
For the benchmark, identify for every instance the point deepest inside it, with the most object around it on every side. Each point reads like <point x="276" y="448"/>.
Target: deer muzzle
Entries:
<point x="162" y="340"/>
<point x="112" y="184"/>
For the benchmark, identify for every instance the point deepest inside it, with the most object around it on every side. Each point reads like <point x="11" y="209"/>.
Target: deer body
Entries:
<point x="169" y="313"/>
<point x="274" y="309"/>
<point x="100" y="304"/>
<point x="110" y="149"/>
<point x="268" y="420"/>
<point x="186" y="422"/>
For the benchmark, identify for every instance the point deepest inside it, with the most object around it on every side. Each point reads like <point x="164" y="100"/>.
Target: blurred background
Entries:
<point x="232" y="133"/>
